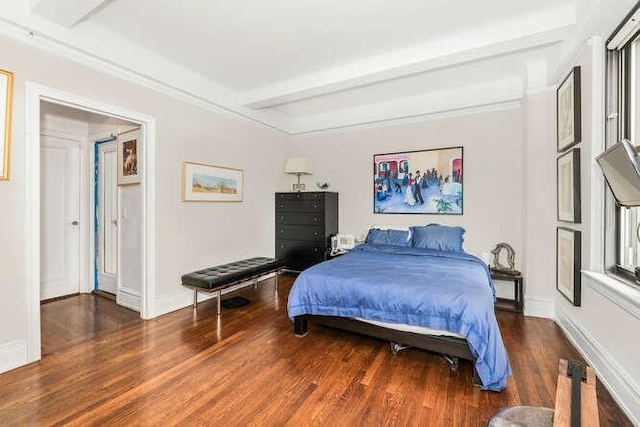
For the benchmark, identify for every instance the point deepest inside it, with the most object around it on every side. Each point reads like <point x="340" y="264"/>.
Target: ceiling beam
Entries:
<point x="515" y="36"/>
<point x="66" y="13"/>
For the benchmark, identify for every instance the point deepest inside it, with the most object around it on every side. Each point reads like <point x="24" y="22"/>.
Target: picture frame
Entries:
<point x="129" y="163"/>
<point x="439" y="188"/>
<point x="568" y="206"/>
<point x="568" y="114"/>
<point x="6" y="107"/>
<point x="568" y="264"/>
<point x="209" y="183"/>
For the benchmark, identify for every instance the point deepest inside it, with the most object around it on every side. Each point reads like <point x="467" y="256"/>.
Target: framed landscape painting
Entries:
<point x="208" y="183"/>
<point x="568" y="262"/>
<point x="419" y="182"/>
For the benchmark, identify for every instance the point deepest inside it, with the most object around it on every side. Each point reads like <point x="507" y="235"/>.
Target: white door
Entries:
<point x="60" y="217"/>
<point x="107" y="209"/>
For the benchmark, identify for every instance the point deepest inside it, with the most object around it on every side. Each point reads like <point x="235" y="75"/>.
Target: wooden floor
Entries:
<point x="247" y="367"/>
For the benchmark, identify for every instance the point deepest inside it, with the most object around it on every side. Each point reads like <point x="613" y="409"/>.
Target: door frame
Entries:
<point x="95" y="206"/>
<point x="35" y="93"/>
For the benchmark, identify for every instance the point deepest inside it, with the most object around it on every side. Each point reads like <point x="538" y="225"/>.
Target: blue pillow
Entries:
<point x="438" y="237"/>
<point x="388" y="237"/>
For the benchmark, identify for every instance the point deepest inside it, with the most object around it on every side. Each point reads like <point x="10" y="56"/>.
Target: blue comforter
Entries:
<point x="441" y="290"/>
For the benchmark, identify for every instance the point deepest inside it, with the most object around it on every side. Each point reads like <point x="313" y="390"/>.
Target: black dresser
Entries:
<point x="305" y="223"/>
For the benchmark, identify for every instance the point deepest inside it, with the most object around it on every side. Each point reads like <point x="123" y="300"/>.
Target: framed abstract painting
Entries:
<point x="419" y="182"/>
<point x="208" y="183"/>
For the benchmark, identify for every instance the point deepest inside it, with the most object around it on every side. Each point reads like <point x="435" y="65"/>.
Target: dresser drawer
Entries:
<point x="310" y="218"/>
<point x="299" y="206"/>
<point x="289" y="249"/>
<point x="300" y="196"/>
<point x="300" y="232"/>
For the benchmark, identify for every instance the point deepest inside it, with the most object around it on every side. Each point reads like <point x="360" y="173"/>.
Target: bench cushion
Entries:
<point x="225" y="274"/>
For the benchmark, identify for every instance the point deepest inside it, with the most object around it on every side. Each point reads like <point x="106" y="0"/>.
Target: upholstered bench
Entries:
<point x="217" y="278"/>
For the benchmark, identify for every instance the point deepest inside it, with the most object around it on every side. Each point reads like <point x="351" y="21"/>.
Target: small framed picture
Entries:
<point x="209" y="183"/>
<point x="128" y="157"/>
<point x="568" y="261"/>
<point x="568" y="111"/>
<point x="568" y="186"/>
<point x="6" y="90"/>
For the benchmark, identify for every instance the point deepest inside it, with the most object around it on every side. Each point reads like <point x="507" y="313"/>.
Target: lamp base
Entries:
<point x="298" y="187"/>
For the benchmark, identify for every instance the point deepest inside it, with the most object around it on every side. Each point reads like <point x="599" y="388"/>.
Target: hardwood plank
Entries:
<point x="247" y="367"/>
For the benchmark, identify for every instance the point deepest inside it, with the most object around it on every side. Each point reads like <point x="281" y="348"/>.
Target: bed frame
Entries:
<point x="452" y="348"/>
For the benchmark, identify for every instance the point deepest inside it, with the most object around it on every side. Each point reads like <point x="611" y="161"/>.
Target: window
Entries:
<point x="623" y="107"/>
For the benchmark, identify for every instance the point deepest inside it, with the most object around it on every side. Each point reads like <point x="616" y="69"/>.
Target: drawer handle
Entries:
<point x="315" y="234"/>
<point x="315" y="249"/>
<point x="315" y="219"/>
<point x="281" y="218"/>
<point x="315" y="206"/>
<point x="282" y="206"/>
<point x="281" y="231"/>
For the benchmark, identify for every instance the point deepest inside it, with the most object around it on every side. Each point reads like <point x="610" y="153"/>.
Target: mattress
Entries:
<point x="422" y="330"/>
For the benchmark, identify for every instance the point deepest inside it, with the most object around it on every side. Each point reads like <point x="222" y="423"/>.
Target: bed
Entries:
<point x="397" y="284"/>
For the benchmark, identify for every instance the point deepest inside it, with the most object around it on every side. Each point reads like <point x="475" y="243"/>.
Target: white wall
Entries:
<point x="492" y="173"/>
<point x="605" y="327"/>
<point x="188" y="236"/>
<point x="539" y="210"/>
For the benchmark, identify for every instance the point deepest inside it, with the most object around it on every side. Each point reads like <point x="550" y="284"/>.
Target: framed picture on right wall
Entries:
<point x="568" y="186"/>
<point x="568" y="254"/>
<point x="568" y="111"/>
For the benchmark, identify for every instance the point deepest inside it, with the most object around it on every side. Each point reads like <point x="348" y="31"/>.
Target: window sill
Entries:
<point x="617" y="290"/>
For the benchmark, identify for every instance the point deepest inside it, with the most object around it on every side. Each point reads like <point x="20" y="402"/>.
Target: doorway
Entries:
<point x="36" y="96"/>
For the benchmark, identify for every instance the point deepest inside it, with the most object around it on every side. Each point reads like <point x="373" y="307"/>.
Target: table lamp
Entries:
<point x="298" y="166"/>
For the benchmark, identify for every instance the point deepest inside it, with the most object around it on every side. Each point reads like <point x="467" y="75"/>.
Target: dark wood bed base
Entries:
<point x="452" y="347"/>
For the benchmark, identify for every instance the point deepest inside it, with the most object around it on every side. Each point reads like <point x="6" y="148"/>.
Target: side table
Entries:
<point x="517" y="303"/>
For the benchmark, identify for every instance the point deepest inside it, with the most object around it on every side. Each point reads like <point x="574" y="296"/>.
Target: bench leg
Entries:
<point x="195" y="298"/>
<point x="219" y="297"/>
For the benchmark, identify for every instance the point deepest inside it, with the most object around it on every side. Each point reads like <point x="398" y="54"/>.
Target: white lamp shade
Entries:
<point x="298" y="165"/>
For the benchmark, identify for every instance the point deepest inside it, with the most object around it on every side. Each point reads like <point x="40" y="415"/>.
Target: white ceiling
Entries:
<point x="306" y="65"/>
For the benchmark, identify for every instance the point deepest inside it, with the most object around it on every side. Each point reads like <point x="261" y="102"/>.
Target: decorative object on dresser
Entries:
<point x="298" y="166"/>
<point x="6" y="90"/>
<point x="418" y="182"/>
<point x="305" y="223"/>
<point x="568" y="191"/>
<point x="568" y="110"/>
<point x="209" y="183"/>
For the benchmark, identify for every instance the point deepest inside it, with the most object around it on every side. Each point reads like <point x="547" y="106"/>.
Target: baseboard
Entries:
<point x="12" y="355"/>
<point x="184" y="299"/>
<point x="129" y="298"/>
<point x="625" y="391"/>
<point x="536" y="307"/>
